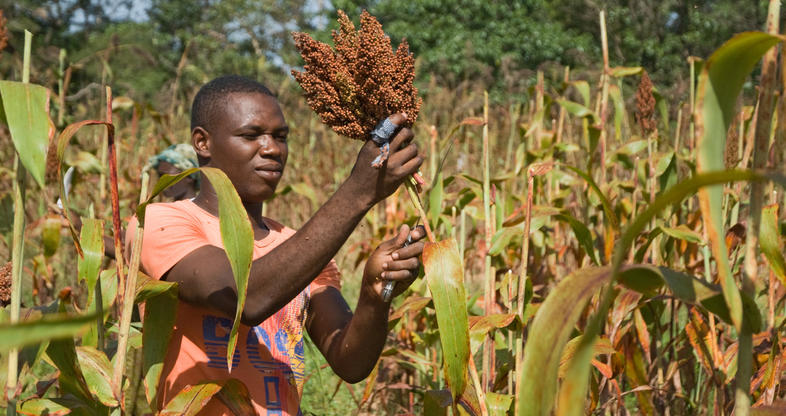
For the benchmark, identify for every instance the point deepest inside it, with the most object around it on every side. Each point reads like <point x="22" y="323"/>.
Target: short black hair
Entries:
<point x="213" y="95"/>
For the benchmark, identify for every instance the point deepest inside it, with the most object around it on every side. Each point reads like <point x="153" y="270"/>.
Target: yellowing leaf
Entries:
<point x="445" y="277"/>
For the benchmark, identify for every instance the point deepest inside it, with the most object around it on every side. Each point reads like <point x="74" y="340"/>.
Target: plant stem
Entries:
<point x="742" y="400"/>
<point x="488" y="293"/>
<point x="18" y="245"/>
<point x="413" y="196"/>
<point x="604" y="101"/>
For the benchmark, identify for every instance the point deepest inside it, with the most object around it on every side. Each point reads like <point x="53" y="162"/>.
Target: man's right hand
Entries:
<point x="372" y="185"/>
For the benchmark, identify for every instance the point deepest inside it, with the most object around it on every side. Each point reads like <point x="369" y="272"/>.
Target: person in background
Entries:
<point x="173" y="160"/>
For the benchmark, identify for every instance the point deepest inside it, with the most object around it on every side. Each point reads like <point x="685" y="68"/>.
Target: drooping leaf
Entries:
<point x="236" y="397"/>
<point x="583" y="235"/>
<point x="62" y="352"/>
<point x="62" y="141"/>
<point x="26" y="110"/>
<point x="770" y="240"/>
<point x="237" y="235"/>
<point x="647" y="279"/>
<point x="480" y="326"/>
<point x="37" y="407"/>
<point x="49" y="327"/>
<point x="553" y="323"/>
<point x="682" y="232"/>
<point x="191" y="399"/>
<point x="502" y="237"/>
<point x="160" y="309"/>
<point x="165" y="181"/>
<point x="607" y="208"/>
<point x="238" y="239"/>
<point x="602" y="346"/>
<point x="575" y="385"/>
<point x="577" y="109"/>
<point x="98" y="374"/>
<point x="89" y="264"/>
<point x="719" y="85"/>
<point x="445" y="277"/>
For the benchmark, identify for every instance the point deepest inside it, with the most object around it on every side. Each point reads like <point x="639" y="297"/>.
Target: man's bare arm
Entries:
<point x="352" y="343"/>
<point x="205" y="275"/>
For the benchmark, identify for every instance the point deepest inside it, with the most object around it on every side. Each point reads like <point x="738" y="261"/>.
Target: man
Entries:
<point x="238" y="127"/>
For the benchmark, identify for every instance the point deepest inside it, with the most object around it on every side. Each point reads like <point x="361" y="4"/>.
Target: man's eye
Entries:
<point x="281" y="137"/>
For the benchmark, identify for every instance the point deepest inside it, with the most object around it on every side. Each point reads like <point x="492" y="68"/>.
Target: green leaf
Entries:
<point x="191" y="399"/>
<point x="435" y="196"/>
<point x="160" y="308"/>
<point x="445" y="277"/>
<point x="37" y="407"/>
<point x="647" y="279"/>
<point x="26" y="109"/>
<point x="607" y="208"/>
<point x="164" y="182"/>
<point x="719" y="85"/>
<point x="237" y="236"/>
<point x="147" y="287"/>
<point x="584" y="90"/>
<point x="71" y="380"/>
<point x="553" y="324"/>
<point x="50" y="234"/>
<point x="770" y="240"/>
<point x="498" y="404"/>
<point x="480" y="326"/>
<point x="89" y="264"/>
<point x="583" y="235"/>
<point x="619" y="110"/>
<point x="682" y="232"/>
<point x="49" y="327"/>
<point x="624" y="71"/>
<point x="502" y="238"/>
<point x="575" y="385"/>
<point x="97" y="371"/>
<point x="62" y="141"/>
<point x="436" y="402"/>
<point x="577" y="109"/>
<point x="238" y="239"/>
<point x="236" y="397"/>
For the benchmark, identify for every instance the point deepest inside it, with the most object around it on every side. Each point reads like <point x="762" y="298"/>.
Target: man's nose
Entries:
<point x="268" y="146"/>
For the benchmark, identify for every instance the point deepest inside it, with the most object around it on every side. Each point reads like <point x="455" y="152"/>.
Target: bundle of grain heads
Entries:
<point x="355" y="86"/>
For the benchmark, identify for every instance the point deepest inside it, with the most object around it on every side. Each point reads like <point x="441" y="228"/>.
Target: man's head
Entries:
<point x="238" y="127"/>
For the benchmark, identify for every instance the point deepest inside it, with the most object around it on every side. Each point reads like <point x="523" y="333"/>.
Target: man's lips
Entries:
<point x="270" y="171"/>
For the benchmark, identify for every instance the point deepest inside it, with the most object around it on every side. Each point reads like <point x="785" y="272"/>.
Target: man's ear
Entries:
<point x="199" y="139"/>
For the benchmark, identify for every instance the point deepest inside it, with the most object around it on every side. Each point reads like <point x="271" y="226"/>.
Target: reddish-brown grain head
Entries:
<point x="359" y="82"/>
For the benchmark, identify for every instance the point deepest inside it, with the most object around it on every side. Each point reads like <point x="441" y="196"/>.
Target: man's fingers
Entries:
<point x="402" y="139"/>
<point x="412" y="250"/>
<point x="399" y="275"/>
<point x="401" y="237"/>
<point x="406" y="264"/>
<point x="418" y="233"/>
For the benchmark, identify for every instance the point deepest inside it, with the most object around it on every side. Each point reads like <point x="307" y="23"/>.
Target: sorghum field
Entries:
<point x="609" y="248"/>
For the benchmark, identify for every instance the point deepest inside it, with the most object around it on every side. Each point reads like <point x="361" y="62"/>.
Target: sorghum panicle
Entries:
<point x="361" y="81"/>
<point x="645" y="105"/>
